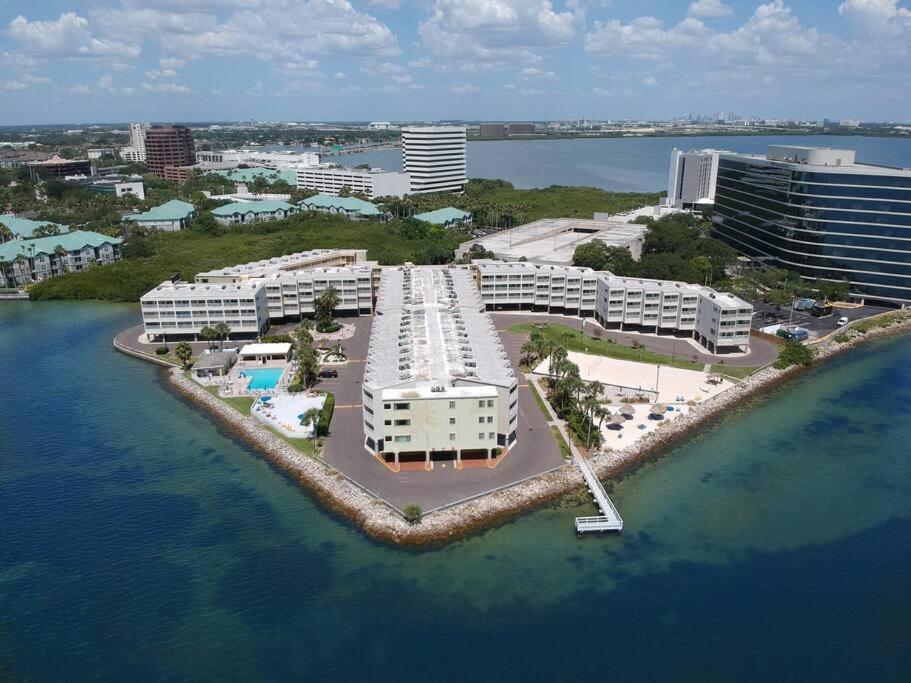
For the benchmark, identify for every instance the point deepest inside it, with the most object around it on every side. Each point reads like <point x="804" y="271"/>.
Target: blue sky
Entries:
<point x="311" y="60"/>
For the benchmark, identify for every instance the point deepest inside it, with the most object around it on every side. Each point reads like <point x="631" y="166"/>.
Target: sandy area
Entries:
<point x="282" y="411"/>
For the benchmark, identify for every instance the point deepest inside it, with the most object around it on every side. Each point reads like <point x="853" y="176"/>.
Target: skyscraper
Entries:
<point x="814" y="210"/>
<point x="168" y="146"/>
<point x="435" y="157"/>
<point x="136" y="151"/>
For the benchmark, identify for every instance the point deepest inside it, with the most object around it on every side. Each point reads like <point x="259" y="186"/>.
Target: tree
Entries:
<point x="704" y="265"/>
<point x="412" y="513"/>
<point x="209" y="335"/>
<point x="46" y="230"/>
<point x="184" y="352"/>
<point x="794" y="353"/>
<point x="5" y="233"/>
<point x="311" y="417"/>
<point x="222" y="332"/>
<point x="324" y="308"/>
<point x="345" y="191"/>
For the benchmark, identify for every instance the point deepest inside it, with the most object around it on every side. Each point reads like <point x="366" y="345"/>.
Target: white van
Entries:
<point x="842" y="321"/>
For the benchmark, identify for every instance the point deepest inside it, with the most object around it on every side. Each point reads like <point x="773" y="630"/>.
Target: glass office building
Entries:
<point x="817" y="212"/>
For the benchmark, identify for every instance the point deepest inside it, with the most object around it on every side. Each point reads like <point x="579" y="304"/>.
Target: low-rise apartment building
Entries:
<point x="717" y="320"/>
<point x="171" y="216"/>
<point x="438" y="383"/>
<point x="373" y="182"/>
<point x="32" y="260"/>
<point x="253" y="212"/>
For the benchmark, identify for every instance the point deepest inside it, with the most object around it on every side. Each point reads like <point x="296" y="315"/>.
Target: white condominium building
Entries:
<point x="435" y="157"/>
<point x="373" y="182"/>
<point x="438" y="383"/>
<point x="691" y="178"/>
<point x="715" y="319"/>
<point x="271" y="160"/>
<point x="251" y="296"/>
<point x="137" y="149"/>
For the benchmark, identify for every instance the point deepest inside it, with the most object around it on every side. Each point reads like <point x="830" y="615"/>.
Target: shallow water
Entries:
<point x="139" y="541"/>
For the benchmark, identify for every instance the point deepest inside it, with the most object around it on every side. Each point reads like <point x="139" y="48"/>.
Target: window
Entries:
<point x="490" y="403"/>
<point x="388" y="438"/>
<point x="491" y="435"/>
<point x="402" y="438"/>
<point x="451" y="436"/>
<point x="489" y="419"/>
<point x="452" y="420"/>
<point x="481" y="435"/>
<point x="402" y="406"/>
<point x="402" y="423"/>
<point x="387" y="406"/>
<point x="387" y="422"/>
<point x="481" y="420"/>
<point x="480" y="404"/>
<point x="452" y="405"/>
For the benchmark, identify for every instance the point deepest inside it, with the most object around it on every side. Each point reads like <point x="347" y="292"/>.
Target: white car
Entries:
<point x="842" y="321"/>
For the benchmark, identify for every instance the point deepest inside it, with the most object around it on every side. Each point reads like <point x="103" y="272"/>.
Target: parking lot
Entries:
<point x="769" y="314"/>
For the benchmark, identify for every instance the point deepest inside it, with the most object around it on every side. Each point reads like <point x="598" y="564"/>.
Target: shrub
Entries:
<point x="794" y="353"/>
<point x="162" y="350"/>
<point x="295" y="387"/>
<point x="328" y="329"/>
<point x="842" y="338"/>
<point x="412" y="513"/>
<point x="322" y="427"/>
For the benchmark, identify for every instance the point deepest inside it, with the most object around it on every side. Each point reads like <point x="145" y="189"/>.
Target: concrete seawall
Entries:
<point x="383" y="522"/>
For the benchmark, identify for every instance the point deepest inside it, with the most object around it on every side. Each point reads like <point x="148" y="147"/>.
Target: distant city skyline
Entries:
<point x="289" y="60"/>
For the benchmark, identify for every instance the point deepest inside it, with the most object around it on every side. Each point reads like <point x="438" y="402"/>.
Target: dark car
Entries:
<point x="327" y="373"/>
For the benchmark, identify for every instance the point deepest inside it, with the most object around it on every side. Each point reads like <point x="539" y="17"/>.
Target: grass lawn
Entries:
<point x="305" y="446"/>
<point x="561" y="443"/>
<point x="241" y="404"/>
<point x="539" y="399"/>
<point x="571" y="339"/>
<point x="736" y="372"/>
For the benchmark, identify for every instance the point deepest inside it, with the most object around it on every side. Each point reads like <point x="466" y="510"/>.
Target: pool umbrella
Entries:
<point x="618" y="420"/>
<point x="627" y="411"/>
<point x="658" y="410"/>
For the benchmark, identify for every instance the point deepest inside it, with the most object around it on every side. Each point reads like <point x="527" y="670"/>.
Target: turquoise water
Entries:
<point x="623" y="164"/>
<point x="263" y="378"/>
<point x="139" y="541"/>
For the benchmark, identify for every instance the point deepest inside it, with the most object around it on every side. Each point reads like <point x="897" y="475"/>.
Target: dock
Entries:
<point x="609" y="519"/>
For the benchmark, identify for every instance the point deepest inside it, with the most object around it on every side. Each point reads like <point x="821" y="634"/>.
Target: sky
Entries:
<point x="332" y="60"/>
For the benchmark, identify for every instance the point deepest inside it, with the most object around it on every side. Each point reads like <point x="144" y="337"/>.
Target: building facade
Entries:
<point x="818" y="212"/>
<point x="371" y="182"/>
<point x="32" y="260"/>
<point x="435" y="157"/>
<point x="59" y="168"/>
<point x="717" y="320"/>
<point x="168" y="146"/>
<point x="691" y="178"/>
<point x="253" y="212"/>
<point x="171" y="216"/>
<point x="438" y="383"/>
<point x="136" y="151"/>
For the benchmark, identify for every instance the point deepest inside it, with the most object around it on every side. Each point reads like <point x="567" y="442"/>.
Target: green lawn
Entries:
<point x="561" y="443"/>
<point x="540" y="400"/>
<point x="573" y="341"/>
<point x="241" y="404"/>
<point x="736" y="372"/>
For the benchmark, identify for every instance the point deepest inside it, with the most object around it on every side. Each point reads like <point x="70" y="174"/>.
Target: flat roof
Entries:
<point x="857" y="168"/>
<point x="213" y="360"/>
<point x="277" y="348"/>
<point x="286" y="262"/>
<point x="431" y="330"/>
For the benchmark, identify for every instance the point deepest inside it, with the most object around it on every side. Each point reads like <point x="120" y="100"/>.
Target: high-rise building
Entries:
<point x="816" y="211"/>
<point x="168" y="146"/>
<point x="136" y="151"/>
<point x="493" y="130"/>
<point x="691" y="178"/>
<point x="521" y="128"/>
<point x="435" y="157"/>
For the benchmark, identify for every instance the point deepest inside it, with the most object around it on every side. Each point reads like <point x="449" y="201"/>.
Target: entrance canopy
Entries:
<point x="280" y="350"/>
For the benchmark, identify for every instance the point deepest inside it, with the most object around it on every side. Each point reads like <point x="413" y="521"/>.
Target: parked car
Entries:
<point x="842" y="321"/>
<point x="327" y="373"/>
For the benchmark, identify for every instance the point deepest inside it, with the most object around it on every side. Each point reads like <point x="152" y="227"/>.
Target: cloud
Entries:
<point x="464" y="88"/>
<point x="533" y="73"/>
<point x="709" y="8"/>
<point x="68" y="36"/>
<point x="496" y="32"/>
<point x="13" y="86"/>
<point x="877" y="17"/>
<point x="521" y="90"/>
<point x="644" y="37"/>
<point x="167" y="88"/>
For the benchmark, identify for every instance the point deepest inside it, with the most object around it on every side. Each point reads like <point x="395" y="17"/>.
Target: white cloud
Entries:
<point x="521" y="90"/>
<point x="877" y="17"/>
<point x="339" y="75"/>
<point x="13" y="86"/>
<point x="68" y="36"/>
<point x="644" y="37"/>
<point x="167" y="88"/>
<point x="709" y="8"/>
<point x="464" y="88"/>
<point x="172" y="63"/>
<point x="495" y="32"/>
<point x="533" y="73"/>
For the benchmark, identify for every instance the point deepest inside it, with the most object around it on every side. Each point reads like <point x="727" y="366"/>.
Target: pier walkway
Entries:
<point x="609" y="519"/>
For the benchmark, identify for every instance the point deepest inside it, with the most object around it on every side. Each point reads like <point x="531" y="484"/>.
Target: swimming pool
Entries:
<point x="262" y="378"/>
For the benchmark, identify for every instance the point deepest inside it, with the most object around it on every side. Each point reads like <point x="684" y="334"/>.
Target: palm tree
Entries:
<point x="558" y="360"/>
<point x="184" y="352"/>
<point x="5" y="233"/>
<point x="61" y="255"/>
<point x="222" y="331"/>
<point x="311" y="417"/>
<point x="325" y="306"/>
<point x="209" y="335"/>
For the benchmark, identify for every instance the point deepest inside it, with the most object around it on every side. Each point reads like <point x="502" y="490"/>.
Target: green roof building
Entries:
<point x="170" y="216"/>
<point x="351" y="207"/>
<point x="26" y="261"/>
<point x="253" y="212"/>
<point x="248" y="175"/>
<point x="24" y="228"/>
<point x="447" y="217"/>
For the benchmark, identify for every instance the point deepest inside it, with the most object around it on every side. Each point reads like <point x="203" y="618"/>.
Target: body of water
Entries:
<point x="139" y="541"/>
<point x="623" y="164"/>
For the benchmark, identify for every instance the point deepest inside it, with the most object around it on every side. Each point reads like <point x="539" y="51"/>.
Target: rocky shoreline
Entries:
<point x="380" y="521"/>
